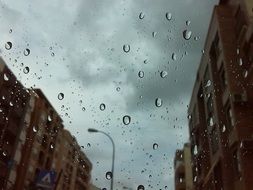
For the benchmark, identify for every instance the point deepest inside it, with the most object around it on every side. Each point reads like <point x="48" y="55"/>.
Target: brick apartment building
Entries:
<point x="39" y="151"/>
<point x="75" y="166"/>
<point x="221" y="106"/>
<point x="33" y="138"/>
<point x="14" y="107"/>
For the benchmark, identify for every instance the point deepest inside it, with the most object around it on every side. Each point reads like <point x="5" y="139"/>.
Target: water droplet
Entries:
<point x="196" y="38"/>
<point x="60" y="96"/>
<point x="155" y="146"/>
<point x="49" y="118"/>
<point x="245" y="74"/>
<point x="240" y="62"/>
<point x="6" y="78"/>
<point x="51" y="146"/>
<point x="88" y="144"/>
<point x="145" y="61"/>
<point x="195" y="178"/>
<point x="195" y="150"/>
<point x="141" y="74"/>
<point x="102" y="107"/>
<point x="154" y="34"/>
<point x="188" y="23"/>
<point x="83" y="108"/>
<point x="26" y="52"/>
<point x="11" y="104"/>
<point x="187" y="34"/>
<point x="52" y="54"/>
<point x="126" y="48"/>
<point x="163" y="74"/>
<point x="211" y="122"/>
<point x="4" y="153"/>
<point x="223" y="128"/>
<point x="108" y="175"/>
<point x="238" y="51"/>
<point x="35" y="130"/>
<point x="158" y="102"/>
<point x="126" y="119"/>
<point x="8" y="45"/>
<point x="118" y="89"/>
<point x="140" y="187"/>
<point x="10" y="31"/>
<point x="168" y="16"/>
<point x="26" y="70"/>
<point x="174" y="56"/>
<point x="141" y="15"/>
<point x="208" y="83"/>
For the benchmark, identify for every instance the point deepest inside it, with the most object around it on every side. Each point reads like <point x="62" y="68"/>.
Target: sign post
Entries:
<point x="46" y="179"/>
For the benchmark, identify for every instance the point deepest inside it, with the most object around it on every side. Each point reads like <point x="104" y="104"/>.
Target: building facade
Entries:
<point x="40" y="150"/>
<point x="14" y="106"/>
<point x="221" y="107"/>
<point x="75" y="166"/>
<point x="183" y="169"/>
<point x="33" y="139"/>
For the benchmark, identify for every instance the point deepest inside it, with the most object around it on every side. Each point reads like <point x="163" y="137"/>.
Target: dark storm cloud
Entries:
<point x="98" y="24"/>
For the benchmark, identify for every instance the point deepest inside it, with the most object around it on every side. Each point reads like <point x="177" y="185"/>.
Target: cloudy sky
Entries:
<point x="77" y="48"/>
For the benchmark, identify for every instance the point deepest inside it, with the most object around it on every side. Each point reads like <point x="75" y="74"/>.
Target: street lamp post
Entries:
<point x="91" y="130"/>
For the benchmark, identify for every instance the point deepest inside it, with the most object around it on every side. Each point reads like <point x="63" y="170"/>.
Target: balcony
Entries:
<point x="233" y="137"/>
<point x="180" y="184"/>
<point x="13" y="128"/>
<point x="179" y="167"/>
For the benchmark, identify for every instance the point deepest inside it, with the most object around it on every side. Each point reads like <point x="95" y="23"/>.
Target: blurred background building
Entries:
<point x="76" y="167"/>
<point x="183" y="169"/>
<point x="220" y="111"/>
<point x="33" y="139"/>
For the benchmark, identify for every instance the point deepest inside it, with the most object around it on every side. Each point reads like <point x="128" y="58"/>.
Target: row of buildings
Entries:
<point x="219" y="154"/>
<point x="33" y="139"/>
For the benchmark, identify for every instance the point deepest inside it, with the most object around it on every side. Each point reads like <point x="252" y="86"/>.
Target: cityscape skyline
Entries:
<point x="92" y="68"/>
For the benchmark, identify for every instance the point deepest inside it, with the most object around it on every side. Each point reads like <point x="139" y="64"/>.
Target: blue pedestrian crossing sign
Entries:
<point x="46" y="179"/>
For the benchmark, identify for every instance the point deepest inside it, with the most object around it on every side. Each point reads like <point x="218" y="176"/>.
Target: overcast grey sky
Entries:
<point x="76" y="48"/>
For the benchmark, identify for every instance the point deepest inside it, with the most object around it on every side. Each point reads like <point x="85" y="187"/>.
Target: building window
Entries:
<point x="214" y="140"/>
<point x="41" y="158"/>
<point x="48" y="163"/>
<point x="37" y="171"/>
<point x="240" y="21"/>
<point x="210" y="104"/>
<point x="44" y="141"/>
<point x="181" y="177"/>
<point x="218" y="177"/>
<point x="215" y="49"/>
<point x="195" y="116"/>
<point x="223" y="77"/>
<point x="230" y="118"/>
<point x="237" y="164"/>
